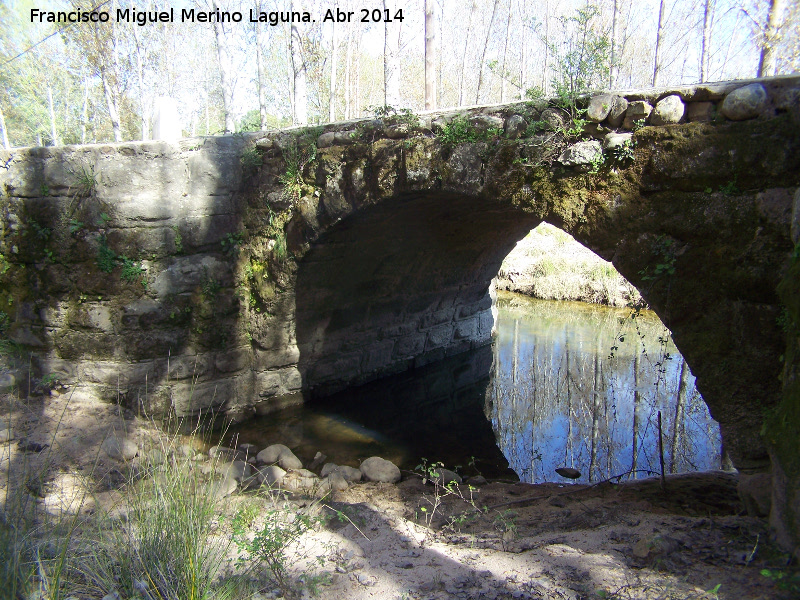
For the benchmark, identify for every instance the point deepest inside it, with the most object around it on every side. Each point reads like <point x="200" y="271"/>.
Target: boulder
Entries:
<point x="515" y="127"/>
<point x="637" y="111"/>
<point x="224" y="454"/>
<point x="618" y="107"/>
<point x="271" y="476"/>
<point x="238" y="470"/>
<point x="755" y="492"/>
<point x="582" y="153"/>
<point x="795" y="227"/>
<point x="554" y="118"/>
<point x="336" y="482"/>
<point x="656" y="545"/>
<point x="119" y="448"/>
<point x="222" y="487"/>
<point x="486" y="122"/>
<point x="446" y="476"/>
<point x="280" y="454"/>
<point x="668" y="111"/>
<point x="300" y="480"/>
<point x="745" y="102"/>
<point x="326" y="139"/>
<point x="599" y="107"/>
<point x="376" y="468"/>
<point x="350" y="474"/>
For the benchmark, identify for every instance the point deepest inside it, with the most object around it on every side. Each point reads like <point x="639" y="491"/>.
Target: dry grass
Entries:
<point x="549" y="264"/>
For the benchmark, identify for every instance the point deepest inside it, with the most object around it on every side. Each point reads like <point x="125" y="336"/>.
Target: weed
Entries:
<point x="730" y="188"/>
<point x="178" y="240"/>
<point x="104" y="219"/>
<point x="85" y="181"/>
<point x="45" y="190"/>
<point x="231" y="243"/>
<point x="75" y="226"/>
<point x="43" y="233"/>
<point x="209" y="287"/>
<point x="251" y="159"/>
<point x="534" y="127"/>
<point x="638" y="125"/>
<point x="624" y="152"/>
<point x="597" y="162"/>
<point x="106" y="259"/>
<point x="275" y="541"/>
<point x="296" y="157"/>
<point x="664" y="250"/>
<point x="460" y="131"/>
<point x="131" y="270"/>
<point x="784" y="580"/>
<point x="394" y="116"/>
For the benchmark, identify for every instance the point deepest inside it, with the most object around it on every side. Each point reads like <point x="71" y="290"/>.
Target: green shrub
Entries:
<point x="106" y="259"/>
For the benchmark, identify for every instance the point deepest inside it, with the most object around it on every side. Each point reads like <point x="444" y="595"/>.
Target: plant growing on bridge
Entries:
<point x="106" y="259"/>
<point x="460" y="130"/>
<point x="85" y="181"/>
<point x="393" y="116"/>
<point x="296" y="156"/>
<point x="251" y="159"/>
<point x="132" y="270"/>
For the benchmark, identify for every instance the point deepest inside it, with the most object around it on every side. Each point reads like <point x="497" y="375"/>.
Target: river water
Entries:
<point x="563" y="384"/>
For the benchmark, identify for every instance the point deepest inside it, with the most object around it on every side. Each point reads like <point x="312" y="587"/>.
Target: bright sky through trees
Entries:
<point x="94" y="82"/>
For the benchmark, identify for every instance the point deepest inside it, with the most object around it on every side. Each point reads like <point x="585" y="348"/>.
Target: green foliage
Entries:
<point x="783" y="580"/>
<point x="43" y="233"/>
<point x="582" y="53"/>
<point x="178" y="240"/>
<point x="597" y="163"/>
<point x="663" y="250"/>
<point x="394" y="116"/>
<point x="251" y="159"/>
<point x="460" y="131"/>
<point x="104" y="219"/>
<point x="209" y="287"/>
<point x="251" y="121"/>
<point x="534" y="127"/>
<point x="296" y="156"/>
<point x="279" y="534"/>
<point x="85" y="181"/>
<point x="639" y="124"/>
<point x="106" y="259"/>
<point x="131" y="271"/>
<point x="75" y="226"/>
<point x="624" y="152"/>
<point x="231" y="243"/>
<point x="730" y="188"/>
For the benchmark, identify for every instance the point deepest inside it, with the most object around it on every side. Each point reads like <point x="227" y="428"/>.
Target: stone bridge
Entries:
<point x="245" y="272"/>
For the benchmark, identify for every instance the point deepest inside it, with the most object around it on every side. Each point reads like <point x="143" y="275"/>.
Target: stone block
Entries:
<point x="190" y="366"/>
<point x="617" y="113"/>
<point x="326" y="139"/>
<point x="233" y="360"/>
<point x="581" y="153"/>
<point x="637" y="111"/>
<point x="291" y="379"/>
<point x="466" y="328"/>
<point x="436" y="318"/>
<point x="410" y="345"/>
<point x="278" y="357"/>
<point x="439" y="336"/>
<point x="190" y="399"/>
<point x="702" y="112"/>
<point x="188" y="272"/>
<point x="268" y="383"/>
<point x="91" y="316"/>
<point x="377" y="356"/>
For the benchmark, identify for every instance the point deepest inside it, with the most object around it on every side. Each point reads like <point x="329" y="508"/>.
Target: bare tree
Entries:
<point x="391" y="62"/>
<point x="704" y="51"/>
<point x="462" y="72"/>
<point x="483" y="54"/>
<point x="430" y="56"/>
<point x="659" y="37"/>
<point x="334" y="66"/>
<point x="3" y="130"/>
<point x="677" y="426"/>
<point x="768" y="63"/>
<point x="299" y="80"/>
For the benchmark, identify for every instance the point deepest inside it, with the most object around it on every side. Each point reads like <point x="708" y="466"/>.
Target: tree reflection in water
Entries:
<point x="581" y="385"/>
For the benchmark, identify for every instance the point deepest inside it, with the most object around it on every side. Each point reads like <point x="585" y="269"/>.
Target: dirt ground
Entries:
<point x="494" y="540"/>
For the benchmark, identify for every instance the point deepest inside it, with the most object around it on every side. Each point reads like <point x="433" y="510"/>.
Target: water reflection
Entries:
<point x="565" y="384"/>
<point x="581" y="386"/>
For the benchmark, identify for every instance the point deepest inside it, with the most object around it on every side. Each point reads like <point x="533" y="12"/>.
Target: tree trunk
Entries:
<point x="334" y="60"/>
<point x="503" y="78"/>
<point x="85" y="108"/>
<point x="348" y="60"/>
<point x="483" y="54"/>
<point x="53" y="131"/>
<point x="595" y="412"/>
<point x="636" y="410"/>
<point x="113" y="113"/>
<point x="614" y="23"/>
<point x="300" y="116"/>
<point x="430" y="56"/>
<point x="677" y="426"/>
<point x="768" y="64"/>
<point x="462" y="77"/>
<point x="262" y="107"/>
<point x="704" y="50"/>
<point x="224" y="57"/>
<point x="3" y="130"/>
<point x="391" y="64"/>
<point x="659" y="33"/>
